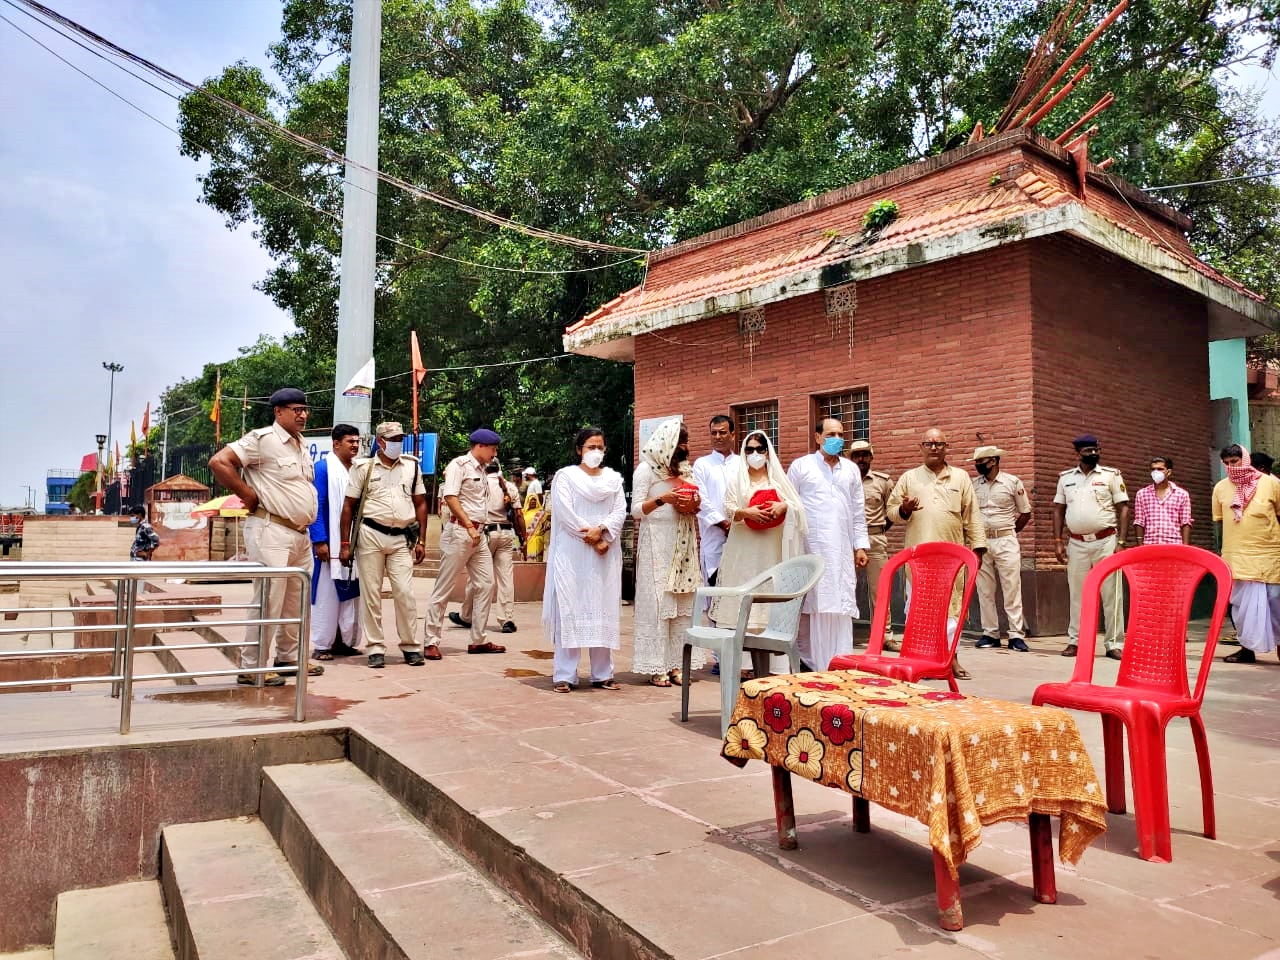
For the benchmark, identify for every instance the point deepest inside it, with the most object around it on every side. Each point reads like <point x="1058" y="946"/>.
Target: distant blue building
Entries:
<point x="58" y="486"/>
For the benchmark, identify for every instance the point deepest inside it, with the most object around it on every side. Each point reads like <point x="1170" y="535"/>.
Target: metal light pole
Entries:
<point x="164" y="444"/>
<point x="114" y="368"/>
<point x="97" y="493"/>
<point x="359" y="214"/>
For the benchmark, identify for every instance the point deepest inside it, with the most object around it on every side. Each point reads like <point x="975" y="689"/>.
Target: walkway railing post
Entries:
<point x="126" y="662"/>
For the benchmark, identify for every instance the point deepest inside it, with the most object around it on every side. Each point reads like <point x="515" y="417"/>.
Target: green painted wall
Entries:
<point x="1227" y="381"/>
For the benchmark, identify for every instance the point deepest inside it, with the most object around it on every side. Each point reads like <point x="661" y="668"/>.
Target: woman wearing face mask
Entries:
<point x="583" y="590"/>
<point x="768" y="525"/>
<point x="667" y="568"/>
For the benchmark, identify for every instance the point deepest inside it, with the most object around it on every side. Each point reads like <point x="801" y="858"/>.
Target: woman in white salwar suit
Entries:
<point x="583" y="590"/>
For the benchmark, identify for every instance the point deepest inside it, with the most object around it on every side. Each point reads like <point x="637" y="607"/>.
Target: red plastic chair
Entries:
<point x="1151" y="687"/>
<point x="927" y="651"/>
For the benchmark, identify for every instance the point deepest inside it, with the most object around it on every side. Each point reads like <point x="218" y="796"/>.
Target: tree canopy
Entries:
<point x="637" y="123"/>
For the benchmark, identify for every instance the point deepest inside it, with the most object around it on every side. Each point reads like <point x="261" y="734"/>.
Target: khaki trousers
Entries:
<point x="377" y="554"/>
<point x="502" y="547"/>
<point x="877" y="557"/>
<point x="274" y="545"/>
<point x="456" y="554"/>
<point x="1001" y="563"/>
<point x="1081" y="558"/>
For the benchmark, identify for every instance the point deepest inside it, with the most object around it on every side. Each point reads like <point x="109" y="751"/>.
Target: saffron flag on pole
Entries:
<point x="361" y="384"/>
<point x="146" y="427"/>
<point x="419" y="371"/>
<point x="216" y="413"/>
<point x="133" y="438"/>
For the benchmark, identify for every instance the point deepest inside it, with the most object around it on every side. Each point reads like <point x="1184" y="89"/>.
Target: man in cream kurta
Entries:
<point x="830" y="487"/>
<point x="936" y="502"/>
<point x="387" y="491"/>
<point x="276" y="488"/>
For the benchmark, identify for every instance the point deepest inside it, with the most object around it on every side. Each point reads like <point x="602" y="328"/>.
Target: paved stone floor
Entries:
<point x="612" y="790"/>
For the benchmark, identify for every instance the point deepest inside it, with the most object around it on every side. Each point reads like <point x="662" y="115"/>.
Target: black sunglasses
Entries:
<point x="755" y="449"/>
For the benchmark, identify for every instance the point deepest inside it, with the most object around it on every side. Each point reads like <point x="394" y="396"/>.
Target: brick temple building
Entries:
<point x="1018" y="296"/>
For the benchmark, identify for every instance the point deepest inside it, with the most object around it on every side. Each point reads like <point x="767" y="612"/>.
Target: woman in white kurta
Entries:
<point x="749" y="552"/>
<point x="668" y="571"/>
<point x="583" y="589"/>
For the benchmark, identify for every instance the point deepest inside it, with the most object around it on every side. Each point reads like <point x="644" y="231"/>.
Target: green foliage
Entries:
<point x="81" y="493"/>
<point x="638" y="123"/>
<point x="879" y="215"/>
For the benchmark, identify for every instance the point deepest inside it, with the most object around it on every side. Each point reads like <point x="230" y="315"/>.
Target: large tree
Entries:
<point x="634" y="123"/>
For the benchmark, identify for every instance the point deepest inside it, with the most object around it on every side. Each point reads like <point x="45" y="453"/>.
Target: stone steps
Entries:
<point x="122" y="922"/>
<point x="232" y="896"/>
<point x="384" y="882"/>
<point x="184" y="661"/>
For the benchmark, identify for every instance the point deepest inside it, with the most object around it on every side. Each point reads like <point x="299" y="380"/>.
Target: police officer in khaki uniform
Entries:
<point x="1090" y="523"/>
<point x="387" y="492"/>
<point x="503" y="523"/>
<point x="462" y="544"/>
<point x="1006" y="508"/>
<point x="876" y="487"/>
<point x="272" y="473"/>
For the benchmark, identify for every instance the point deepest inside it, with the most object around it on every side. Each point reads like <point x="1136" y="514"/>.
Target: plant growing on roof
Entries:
<point x="880" y="215"/>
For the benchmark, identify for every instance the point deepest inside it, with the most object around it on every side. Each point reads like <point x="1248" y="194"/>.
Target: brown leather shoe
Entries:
<point x="1069" y="650"/>
<point x="486" y="647"/>
<point x="432" y="652"/>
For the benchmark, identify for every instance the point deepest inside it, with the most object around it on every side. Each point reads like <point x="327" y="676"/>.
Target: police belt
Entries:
<point x="875" y="529"/>
<point x="383" y="528"/>
<point x="490" y="527"/>
<point x="995" y="534"/>
<point x="1090" y="537"/>
<point x="266" y="514"/>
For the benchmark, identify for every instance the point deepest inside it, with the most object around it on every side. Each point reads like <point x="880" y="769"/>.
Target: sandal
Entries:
<point x="609" y="684"/>
<point x="676" y="677"/>
<point x="561" y="686"/>
<point x="659" y="680"/>
<point x="324" y="655"/>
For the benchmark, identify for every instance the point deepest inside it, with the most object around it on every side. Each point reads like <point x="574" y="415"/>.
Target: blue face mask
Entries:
<point x="833" y="446"/>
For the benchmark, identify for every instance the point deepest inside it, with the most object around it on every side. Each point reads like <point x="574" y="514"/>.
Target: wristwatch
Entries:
<point x="658" y="501"/>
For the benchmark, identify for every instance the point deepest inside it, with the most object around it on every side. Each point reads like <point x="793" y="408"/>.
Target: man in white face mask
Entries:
<point x="387" y="494"/>
<point x="1162" y="509"/>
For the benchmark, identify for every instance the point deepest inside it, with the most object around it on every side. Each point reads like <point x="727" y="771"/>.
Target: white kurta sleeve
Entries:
<point x="617" y="516"/>
<point x="858" y="513"/>
<point x="641" y="481"/>
<point x="562" y="513"/>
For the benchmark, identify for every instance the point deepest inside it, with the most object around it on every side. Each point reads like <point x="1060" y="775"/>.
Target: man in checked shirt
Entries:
<point x="1162" y="510"/>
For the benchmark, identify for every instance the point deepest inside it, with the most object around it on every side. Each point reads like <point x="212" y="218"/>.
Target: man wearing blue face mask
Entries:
<point x="830" y="488"/>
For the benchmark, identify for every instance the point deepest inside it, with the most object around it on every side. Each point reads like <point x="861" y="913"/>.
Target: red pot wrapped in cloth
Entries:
<point x="763" y="498"/>
<point x="685" y="487"/>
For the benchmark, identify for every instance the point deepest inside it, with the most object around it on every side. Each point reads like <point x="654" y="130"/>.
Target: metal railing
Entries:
<point x="130" y="600"/>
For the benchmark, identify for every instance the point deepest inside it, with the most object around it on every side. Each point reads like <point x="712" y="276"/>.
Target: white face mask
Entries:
<point x="1157" y="476"/>
<point x="593" y="458"/>
<point x="756" y="460"/>
<point x="393" y="449"/>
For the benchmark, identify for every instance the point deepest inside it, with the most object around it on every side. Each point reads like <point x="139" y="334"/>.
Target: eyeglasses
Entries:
<point x="755" y="449"/>
<point x="934" y="444"/>
<point x="298" y="409"/>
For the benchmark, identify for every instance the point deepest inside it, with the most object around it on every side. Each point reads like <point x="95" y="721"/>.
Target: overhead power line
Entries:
<point x="312" y="146"/>
<point x="1206" y="183"/>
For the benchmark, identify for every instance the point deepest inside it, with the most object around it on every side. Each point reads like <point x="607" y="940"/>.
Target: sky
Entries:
<point x="106" y="255"/>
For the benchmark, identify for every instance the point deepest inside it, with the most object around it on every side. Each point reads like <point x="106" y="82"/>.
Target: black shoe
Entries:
<point x="377" y="661"/>
<point x="414" y="659"/>
<point x="341" y="649"/>
<point x="1017" y="643"/>
<point x="1115" y="654"/>
<point x="456" y="619"/>
<point x="508" y="627"/>
<point x="989" y="642"/>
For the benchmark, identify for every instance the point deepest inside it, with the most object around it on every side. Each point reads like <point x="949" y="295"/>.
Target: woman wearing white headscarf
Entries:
<point x="667" y="567"/>
<point x="750" y="551"/>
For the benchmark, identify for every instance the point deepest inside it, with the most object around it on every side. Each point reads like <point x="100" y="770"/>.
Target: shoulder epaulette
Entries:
<point x="1065" y="472"/>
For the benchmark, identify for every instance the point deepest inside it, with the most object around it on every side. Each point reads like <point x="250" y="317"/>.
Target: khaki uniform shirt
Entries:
<point x="280" y="472"/>
<point x="496" y="504"/>
<point x="1001" y="501"/>
<point x="465" y="479"/>
<point x="948" y="510"/>
<point x="876" y="487"/>
<point x="389" y="500"/>
<point x="1090" y="498"/>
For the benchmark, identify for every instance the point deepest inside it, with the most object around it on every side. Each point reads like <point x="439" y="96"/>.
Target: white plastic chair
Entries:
<point x="783" y="587"/>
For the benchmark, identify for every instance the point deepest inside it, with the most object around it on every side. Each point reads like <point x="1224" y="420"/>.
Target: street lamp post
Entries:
<point x="97" y="493"/>
<point x="113" y="368"/>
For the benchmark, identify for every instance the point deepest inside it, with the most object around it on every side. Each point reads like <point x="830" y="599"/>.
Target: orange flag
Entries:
<point x="419" y="371"/>
<point x="216" y="413"/>
<point x="133" y="434"/>
<point x="146" y="427"/>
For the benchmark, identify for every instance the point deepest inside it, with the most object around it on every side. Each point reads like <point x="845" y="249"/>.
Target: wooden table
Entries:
<point x="954" y="763"/>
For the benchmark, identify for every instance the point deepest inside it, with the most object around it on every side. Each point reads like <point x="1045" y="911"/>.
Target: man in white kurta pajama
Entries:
<point x="830" y="488"/>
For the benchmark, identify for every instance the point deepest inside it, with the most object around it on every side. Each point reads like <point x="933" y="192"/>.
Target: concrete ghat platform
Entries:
<point x="604" y="809"/>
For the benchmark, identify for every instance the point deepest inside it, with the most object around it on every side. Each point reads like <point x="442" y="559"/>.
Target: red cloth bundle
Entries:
<point x="763" y="498"/>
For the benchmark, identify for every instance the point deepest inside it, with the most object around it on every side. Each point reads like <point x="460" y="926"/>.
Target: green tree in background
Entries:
<point x="636" y="124"/>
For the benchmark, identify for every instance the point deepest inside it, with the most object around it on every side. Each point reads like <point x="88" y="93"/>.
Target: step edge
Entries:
<point x="155" y="891"/>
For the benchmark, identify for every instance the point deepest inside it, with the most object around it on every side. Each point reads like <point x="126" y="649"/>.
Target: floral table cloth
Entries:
<point x="951" y="761"/>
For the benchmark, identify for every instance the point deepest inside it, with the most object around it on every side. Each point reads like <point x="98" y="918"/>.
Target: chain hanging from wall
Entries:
<point x="750" y="330"/>
<point x="841" y="305"/>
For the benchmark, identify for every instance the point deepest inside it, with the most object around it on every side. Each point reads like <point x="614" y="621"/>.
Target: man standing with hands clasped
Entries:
<point x="937" y="504"/>
<point x="1006" y="508"/>
<point x="1090" y="523"/>
<point x="387" y="496"/>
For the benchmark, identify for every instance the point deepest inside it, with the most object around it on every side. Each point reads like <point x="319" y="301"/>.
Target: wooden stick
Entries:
<point x="1107" y="100"/>
<point x="1057" y="97"/>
